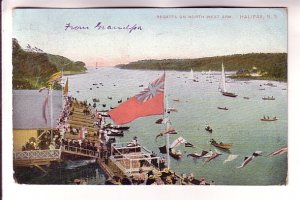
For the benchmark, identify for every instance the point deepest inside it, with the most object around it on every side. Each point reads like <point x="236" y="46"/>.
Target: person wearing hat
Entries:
<point x="126" y="181"/>
<point x="184" y="180"/>
<point x="142" y="178"/>
<point x="203" y="181"/>
<point x="133" y="143"/>
<point x="150" y="173"/>
<point x="150" y="180"/>
<point x="166" y="172"/>
<point x="191" y="177"/>
<point x="117" y="180"/>
<point x="109" y="181"/>
<point x="159" y="181"/>
<point x="174" y="178"/>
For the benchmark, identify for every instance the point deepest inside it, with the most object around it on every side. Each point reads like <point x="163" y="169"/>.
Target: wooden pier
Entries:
<point x="121" y="162"/>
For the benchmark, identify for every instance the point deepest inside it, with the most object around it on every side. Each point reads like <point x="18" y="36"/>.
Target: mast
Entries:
<point x="223" y="88"/>
<point x="166" y="116"/>
<point x="192" y="75"/>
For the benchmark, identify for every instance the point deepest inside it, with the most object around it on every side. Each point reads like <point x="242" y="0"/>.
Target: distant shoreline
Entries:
<point x="269" y="66"/>
<point x="237" y="77"/>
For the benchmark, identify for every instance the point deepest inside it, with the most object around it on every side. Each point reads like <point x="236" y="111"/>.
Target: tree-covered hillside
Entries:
<point x="267" y="65"/>
<point x="32" y="69"/>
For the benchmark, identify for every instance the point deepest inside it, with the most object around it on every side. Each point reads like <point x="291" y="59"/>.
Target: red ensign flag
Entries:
<point x="148" y="102"/>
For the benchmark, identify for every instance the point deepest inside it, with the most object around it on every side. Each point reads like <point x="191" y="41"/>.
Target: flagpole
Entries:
<point x="166" y="116"/>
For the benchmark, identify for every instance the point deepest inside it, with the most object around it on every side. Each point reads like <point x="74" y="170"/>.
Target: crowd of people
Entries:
<point x="56" y="139"/>
<point x="164" y="177"/>
<point x="43" y="142"/>
<point x="83" y="146"/>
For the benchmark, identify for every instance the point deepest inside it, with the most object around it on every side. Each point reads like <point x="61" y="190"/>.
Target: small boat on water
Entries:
<point x="141" y="85"/>
<point x="246" y="97"/>
<point x="198" y="155"/>
<point x="177" y="100"/>
<point x="222" y="108"/>
<point x="116" y="134"/>
<point x="220" y="145"/>
<point x="209" y="129"/>
<point x="213" y="156"/>
<point x="262" y="89"/>
<point x="123" y="128"/>
<point x="176" y="154"/>
<point x="187" y="144"/>
<point x="168" y="131"/>
<point x="271" y="84"/>
<point x="120" y="101"/>
<point x="268" y="98"/>
<point x="159" y="121"/>
<point x="109" y="98"/>
<point x="96" y="100"/>
<point x="268" y="119"/>
<point x="172" y="110"/>
<point x="104" y="114"/>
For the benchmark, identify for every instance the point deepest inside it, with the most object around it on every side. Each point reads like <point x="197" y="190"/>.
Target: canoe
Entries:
<point x="221" y="108"/>
<point x="268" y="98"/>
<point x="220" y="145"/>
<point x="269" y="120"/>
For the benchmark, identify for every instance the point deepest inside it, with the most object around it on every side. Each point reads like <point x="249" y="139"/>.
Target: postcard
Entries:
<point x="150" y="96"/>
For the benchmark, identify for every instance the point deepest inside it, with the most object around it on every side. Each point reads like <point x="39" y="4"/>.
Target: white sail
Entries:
<point x="192" y="75"/>
<point x="177" y="142"/>
<point x="230" y="158"/>
<point x="222" y="86"/>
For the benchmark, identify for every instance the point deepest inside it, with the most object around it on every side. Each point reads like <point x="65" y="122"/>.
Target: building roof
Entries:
<point x="28" y="109"/>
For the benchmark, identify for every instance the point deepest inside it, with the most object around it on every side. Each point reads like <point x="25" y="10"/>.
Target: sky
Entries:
<point x="161" y="33"/>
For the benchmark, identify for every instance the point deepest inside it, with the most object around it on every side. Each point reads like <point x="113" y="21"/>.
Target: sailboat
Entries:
<point x="192" y="77"/>
<point x="222" y="86"/>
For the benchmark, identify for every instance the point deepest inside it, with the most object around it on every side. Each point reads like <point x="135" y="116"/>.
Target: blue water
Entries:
<point x="240" y="125"/>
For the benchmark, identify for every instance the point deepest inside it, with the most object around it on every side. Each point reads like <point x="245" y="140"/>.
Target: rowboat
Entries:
<point x="269" y="119"/>
<point x="268" y="98"/>
<point x="220" y="145"/>
<point x="222" y="108"/>
<point x="175" y="154"/>
<point x="209" y="129"/>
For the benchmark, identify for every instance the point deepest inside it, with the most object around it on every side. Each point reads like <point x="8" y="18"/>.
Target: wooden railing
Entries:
<point x="37" y="154"/>
<point x="80" y="151"/>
